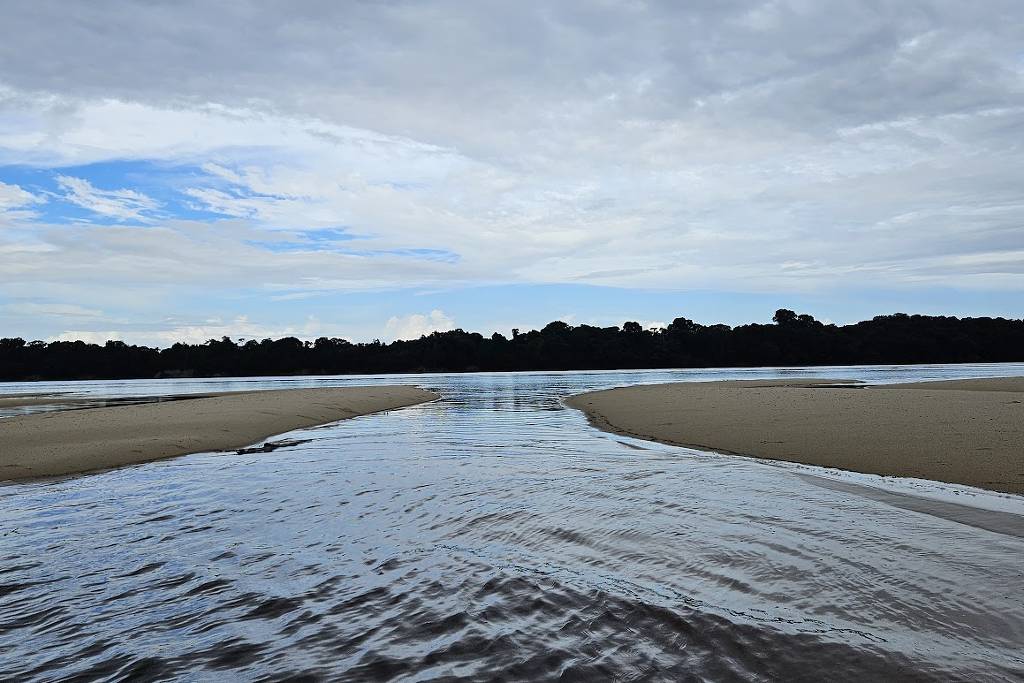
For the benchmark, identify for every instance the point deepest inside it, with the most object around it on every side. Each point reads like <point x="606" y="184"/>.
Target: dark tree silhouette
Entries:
<point x="794" y="339"/>
<point x="784" y="317"/>
<point x="632" y="328"/>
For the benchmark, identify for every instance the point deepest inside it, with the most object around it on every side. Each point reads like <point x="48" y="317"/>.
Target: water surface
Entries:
<point x="494" y="535"/>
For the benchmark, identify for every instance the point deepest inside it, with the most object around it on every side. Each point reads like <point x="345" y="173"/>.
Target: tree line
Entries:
<point x="791" y="339"/>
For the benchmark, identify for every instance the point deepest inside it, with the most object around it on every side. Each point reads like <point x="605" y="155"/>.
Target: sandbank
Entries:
<point x="60" y="400"/>
<point x="961" y="431"/>
<point x="66" y="442"/>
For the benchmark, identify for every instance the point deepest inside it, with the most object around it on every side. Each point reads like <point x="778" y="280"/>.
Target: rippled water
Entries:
<point x="494" y="535"/>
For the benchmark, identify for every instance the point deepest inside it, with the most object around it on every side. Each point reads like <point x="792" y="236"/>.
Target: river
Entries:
<point x="493" y="534"/>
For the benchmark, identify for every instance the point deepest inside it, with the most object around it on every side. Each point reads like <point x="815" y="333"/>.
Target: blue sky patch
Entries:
<point x="163" y="183"/>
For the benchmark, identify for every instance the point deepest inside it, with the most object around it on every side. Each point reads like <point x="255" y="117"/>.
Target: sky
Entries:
<point x="180" y="171"/>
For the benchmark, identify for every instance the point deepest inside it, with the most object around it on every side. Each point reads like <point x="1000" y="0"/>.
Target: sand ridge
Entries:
<point x="65" y="442"/>
<point x="960" y="431"/>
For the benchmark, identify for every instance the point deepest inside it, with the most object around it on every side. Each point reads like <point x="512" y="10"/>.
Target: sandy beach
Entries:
<point x="62" y="400"/>
<point x="960" y="431"/>
<point x="65" y="442"/>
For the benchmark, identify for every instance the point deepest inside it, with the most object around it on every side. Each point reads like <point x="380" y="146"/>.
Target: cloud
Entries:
<point x="14" y="200"/>
<point x="416" y="325"/>
<point x="121" y="205"/>
<point x="749" y="147"/>
<point x="241" y="327"/>
<point x="198" y="332"/>
<point x="51" y="310"/>
<point x="735" y="223"/>
<point x="88" y="336"/>
<point x="100" y="261"/>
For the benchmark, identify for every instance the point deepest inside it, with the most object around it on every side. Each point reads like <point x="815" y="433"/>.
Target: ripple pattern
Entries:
<point x="493" y="535"/>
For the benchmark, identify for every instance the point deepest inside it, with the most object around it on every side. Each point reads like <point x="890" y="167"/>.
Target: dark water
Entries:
<point x="494" y="535"/>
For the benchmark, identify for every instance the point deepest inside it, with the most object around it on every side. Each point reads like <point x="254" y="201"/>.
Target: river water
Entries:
<point x="493" y="534"/>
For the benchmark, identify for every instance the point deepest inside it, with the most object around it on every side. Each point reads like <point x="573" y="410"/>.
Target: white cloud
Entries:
<point x="88" y="336"/>
<point x="687" y="215"/>
<point x="416" y="325"/>
<point x="54" y="310"/>
<point x="241" y="327"/>
<point x="100" y="262"/>
<point x="121" y="205"/>
<point x="199" y="332"/>
<point x="14" y="200"/>
<point x="752" y="147"/>
<point x="12" y="196"/>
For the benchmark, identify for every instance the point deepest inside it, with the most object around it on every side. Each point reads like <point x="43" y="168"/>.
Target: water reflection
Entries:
<point x="493" y="534"/>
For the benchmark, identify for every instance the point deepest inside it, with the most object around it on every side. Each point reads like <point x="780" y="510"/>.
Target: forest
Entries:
<point x="791" y="339"/>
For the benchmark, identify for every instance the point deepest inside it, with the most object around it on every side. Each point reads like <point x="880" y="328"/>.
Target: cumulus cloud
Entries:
<point x="416" y="325"/>
<point x="120" y="205"/>
<point x="197" y="332"/>
<point x="88" y="336"/>
<point x="241" y="327"/>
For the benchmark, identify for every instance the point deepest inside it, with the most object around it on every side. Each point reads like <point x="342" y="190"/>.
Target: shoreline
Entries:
<point x="67" y="442"/>
<point x="968" y="432"/>
<point x="25" y="400"/>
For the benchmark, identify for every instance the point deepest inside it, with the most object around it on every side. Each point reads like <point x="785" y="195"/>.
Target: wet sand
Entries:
<point x="66" y="442"/>
<point x="63" y="400"/>
<point x="959" y="431"/>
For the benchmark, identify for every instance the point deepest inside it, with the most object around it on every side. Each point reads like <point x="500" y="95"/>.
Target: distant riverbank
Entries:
<point x="792" y="340"/>
<point x="66" y="442"/>
<point x="963" y="431"/>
